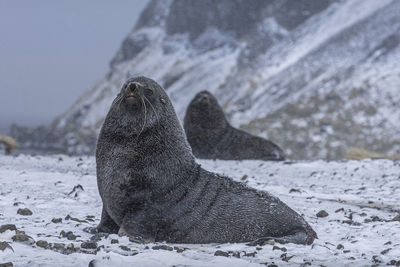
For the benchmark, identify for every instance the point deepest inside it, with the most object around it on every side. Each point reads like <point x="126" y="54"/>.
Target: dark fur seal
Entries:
<point x="152" y="187"/>
<point x="212" y="137"/>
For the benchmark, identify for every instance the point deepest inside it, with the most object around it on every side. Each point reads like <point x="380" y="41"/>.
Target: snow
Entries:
<point x="352" y="192"/>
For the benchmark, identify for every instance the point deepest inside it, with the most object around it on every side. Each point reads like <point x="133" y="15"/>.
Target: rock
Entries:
<point x="23" y="238"/>
<point x="125" y="248"/>
<point x="4" y="246"/>
<point x="221" y="253"/>
<point x="68" y="217"/>
<point x="163" y="247"/>
<point x="339" y="246"/>
<point x="251" y="254"/>
<point x="114" y="241"/>
<point x="6" y="227"/>
<point x="322" y="214"/>
<point x="58" y="246"/>
<point x="7" y="264"/>
<point x="244" y="177"/>
<point x="396" y="218"/>
<point x="56" y="220"/>
<point x="89" y="245"/>
<point x="180" y="250"/>
<point x="42" y="244"/>
<point x="69" y="235"/>
<point x="24" y="212"/>
<point x="383" y="252"/>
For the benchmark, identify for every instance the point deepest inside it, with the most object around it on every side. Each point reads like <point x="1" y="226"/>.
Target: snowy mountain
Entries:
<point x="314" y="76"/>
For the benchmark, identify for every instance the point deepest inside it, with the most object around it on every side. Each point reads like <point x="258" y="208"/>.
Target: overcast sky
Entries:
<point x="51" y="51"/>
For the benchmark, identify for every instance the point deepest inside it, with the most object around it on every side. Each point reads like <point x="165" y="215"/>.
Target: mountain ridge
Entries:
<point x="315" y="77"/>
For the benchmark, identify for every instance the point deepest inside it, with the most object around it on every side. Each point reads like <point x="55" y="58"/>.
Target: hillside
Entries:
<point x="315" y="76"/>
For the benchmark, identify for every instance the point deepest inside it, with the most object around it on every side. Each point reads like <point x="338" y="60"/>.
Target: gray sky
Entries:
<point x="51" y="51"/>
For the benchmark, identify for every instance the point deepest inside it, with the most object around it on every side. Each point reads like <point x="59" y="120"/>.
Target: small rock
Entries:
<point x="396" y="218"/>
<point x="4" y="246"/>
<point x="294" y="190"/>
<point x="6" y="227"/>
<point x="56" y="220"/>
<point x="24" y="212"/>
<point x="322" y="214"/>
<point x="163" y="247"/>
<point x="236" y="254"/>
<point x="383" y="252"/>
<point x="221" y="253"/>
<point x="252" y="254"/>
<point x="259" y="248"/>
<point x="69" y="235"/>
<point x="42" y="244"/>
<point x="125" y="248"/>
<point x="23" y="238"/>
<point x="180" y="250"/>
<point x="285" y="257"/>
<point x="7" y="264"/>
<point x="114" y="241"/>
<point x="244" y="177"/>
<point x="89" y="245"/>
<point x="58" y="246"/>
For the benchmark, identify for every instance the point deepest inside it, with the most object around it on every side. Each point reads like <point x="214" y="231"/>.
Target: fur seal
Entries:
<point x="212" y="137"/>
<point x="152" y="187"/>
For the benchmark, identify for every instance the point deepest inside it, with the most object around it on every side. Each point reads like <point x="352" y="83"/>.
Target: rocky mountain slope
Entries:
<point x="314" y="76"/>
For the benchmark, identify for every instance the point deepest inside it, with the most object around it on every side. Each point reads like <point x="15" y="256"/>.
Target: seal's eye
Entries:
<point x="148" y="92"/>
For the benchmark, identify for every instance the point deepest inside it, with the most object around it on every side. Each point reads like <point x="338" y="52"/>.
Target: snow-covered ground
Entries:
<point x="361" y="197"/>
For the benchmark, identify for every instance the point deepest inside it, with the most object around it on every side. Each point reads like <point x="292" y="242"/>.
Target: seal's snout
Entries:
<point x="132" y="90"/>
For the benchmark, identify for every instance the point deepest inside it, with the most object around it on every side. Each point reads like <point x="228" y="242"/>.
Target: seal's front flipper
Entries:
<point x="135" y="230"/>
<point x="300" y="238"/>
<point x="107" y="224"/>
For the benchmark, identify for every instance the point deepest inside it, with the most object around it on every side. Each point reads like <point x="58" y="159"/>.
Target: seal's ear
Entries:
<point x="163" y="100"/>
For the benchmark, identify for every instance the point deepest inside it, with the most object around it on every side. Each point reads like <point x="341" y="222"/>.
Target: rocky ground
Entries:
<point x="46" y="203"/>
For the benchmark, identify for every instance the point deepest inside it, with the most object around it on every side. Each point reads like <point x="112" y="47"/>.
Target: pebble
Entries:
<point x="322" y="214"/>
<point x="89" y="245"/>
<point x="163" y="247"/>
<point x="56" y="220"/>
<point x="6" y="227"/>
<point x="24" y="212"/>
<point x="7" y="264"/>
<point x="221" y="253"/>
<point x="42" y="244"/>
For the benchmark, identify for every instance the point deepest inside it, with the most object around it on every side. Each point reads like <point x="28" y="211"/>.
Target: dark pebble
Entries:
<point x="340" y="246"/>
<point x="180" y="250"/>
<point x="21" y="237"/>
<point x="125" y="248"/>
<point x="6" y="227"/>
<point x="24" y="212"/>
<point x="383" y="252"/>
<point x="396" y="218"/>
<point x="89" y="245"/>
<point x="251" y="254"/>
<point x="7" y="264"/>
<point x="42" y="244"/>
<point x="58" y="246"/>
<point x="221" y="253"/>
<point x="322" y="214"/>
<point x="163" y="247"/>
<point x="114" y="241"/>
<point x="56" y="220"/>
<point x="4" y="246"/>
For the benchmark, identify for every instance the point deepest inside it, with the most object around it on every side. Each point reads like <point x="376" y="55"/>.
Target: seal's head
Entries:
<point x="205" y="112"/>
<point x="139" y="106"/>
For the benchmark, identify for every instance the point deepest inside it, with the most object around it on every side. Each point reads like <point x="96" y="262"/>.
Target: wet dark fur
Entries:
<point x="152" y="187"/>
<point x="212" y="137"/>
